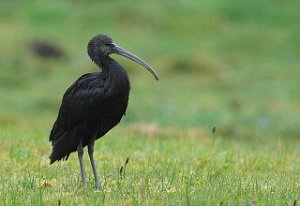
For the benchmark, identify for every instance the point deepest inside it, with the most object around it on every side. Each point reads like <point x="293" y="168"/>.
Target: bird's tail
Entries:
<point x="62" y="147"/>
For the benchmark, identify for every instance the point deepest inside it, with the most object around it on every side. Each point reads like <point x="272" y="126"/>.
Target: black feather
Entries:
<point x="89" y="109"/>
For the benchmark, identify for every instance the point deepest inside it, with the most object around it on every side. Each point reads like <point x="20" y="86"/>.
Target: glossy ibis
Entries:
<point x="93" y="105"/>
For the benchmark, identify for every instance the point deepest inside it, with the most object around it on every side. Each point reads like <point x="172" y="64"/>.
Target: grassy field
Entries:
<point x="226" y="63"/>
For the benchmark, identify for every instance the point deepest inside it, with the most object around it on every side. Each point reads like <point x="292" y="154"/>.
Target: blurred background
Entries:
<point x="234" y="64"/>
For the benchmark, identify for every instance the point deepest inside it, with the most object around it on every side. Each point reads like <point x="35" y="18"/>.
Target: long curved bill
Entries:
<point x="127" y="54"/>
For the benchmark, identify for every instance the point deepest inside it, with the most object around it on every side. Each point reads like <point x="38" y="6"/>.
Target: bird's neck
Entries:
<point x="116" y="76"/>
<point x="103" y="62"/>
<point x="111" y="68"/>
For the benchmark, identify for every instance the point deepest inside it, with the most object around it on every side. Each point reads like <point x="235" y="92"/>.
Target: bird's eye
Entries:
<point x="110" y="44"/>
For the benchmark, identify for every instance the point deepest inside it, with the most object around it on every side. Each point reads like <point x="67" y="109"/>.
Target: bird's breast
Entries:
<point x="114" y="106"/>
<point x="117" y="86"/>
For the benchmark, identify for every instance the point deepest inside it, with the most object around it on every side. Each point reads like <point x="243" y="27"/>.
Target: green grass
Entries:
<point x="226" y="63"/>
<point x="166" y="166"/>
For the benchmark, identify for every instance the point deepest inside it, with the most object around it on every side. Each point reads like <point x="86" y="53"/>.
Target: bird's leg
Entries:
<point x="91" y="154"/>
<point x="80" y="155"/>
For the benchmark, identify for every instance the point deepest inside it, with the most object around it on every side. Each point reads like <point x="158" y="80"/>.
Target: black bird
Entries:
<point x="93" y="105"/>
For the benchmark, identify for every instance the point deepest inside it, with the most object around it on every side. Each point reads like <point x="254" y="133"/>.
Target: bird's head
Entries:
<point x="101" y="46"/>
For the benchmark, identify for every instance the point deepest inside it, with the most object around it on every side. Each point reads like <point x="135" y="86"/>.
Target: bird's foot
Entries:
<point x="98" y="185"/>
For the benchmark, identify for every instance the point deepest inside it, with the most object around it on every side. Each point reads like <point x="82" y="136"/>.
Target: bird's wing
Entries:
<point x="82" y="101"/>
